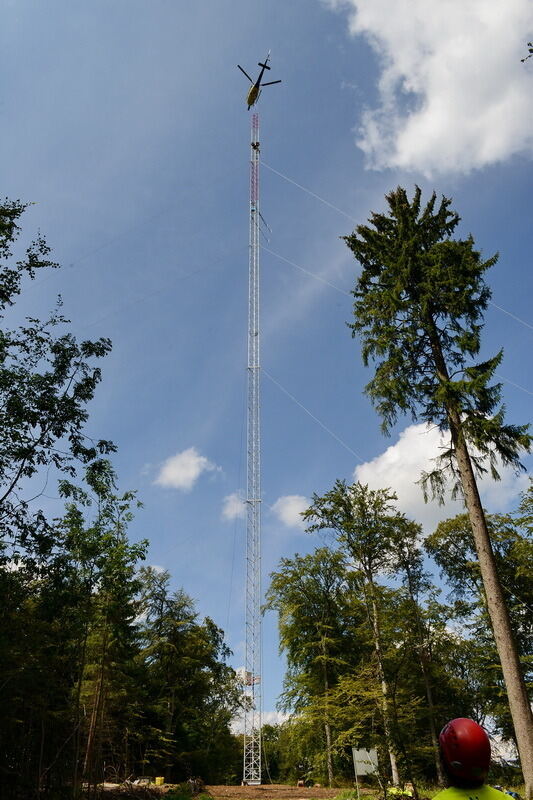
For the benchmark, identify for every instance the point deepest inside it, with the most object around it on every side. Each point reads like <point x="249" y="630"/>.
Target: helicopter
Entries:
<point x="255" y="89"/>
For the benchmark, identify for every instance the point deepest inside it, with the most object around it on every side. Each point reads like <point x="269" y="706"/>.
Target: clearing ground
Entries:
<point x="272" y="791"/>
<point x="266" y="792"/>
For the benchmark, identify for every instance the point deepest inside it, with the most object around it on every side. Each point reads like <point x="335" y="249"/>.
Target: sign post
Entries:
<point x="365" y="762"/>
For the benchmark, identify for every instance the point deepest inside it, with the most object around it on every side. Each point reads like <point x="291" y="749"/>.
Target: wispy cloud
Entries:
<point x="289" y="508"/>
<point x="182" y="470"/>
<point x="453" y="94"/>
<point x="401" y="465"/>
<point x="233" y="507"/>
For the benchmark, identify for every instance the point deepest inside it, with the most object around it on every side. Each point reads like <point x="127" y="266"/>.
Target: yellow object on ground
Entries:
<point x="159" y="781"/>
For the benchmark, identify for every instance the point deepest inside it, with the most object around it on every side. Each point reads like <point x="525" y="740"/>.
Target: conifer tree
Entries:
<point x="105" y="563"/>
<point x="419" y="304"/>
<point x="193" y="693"/>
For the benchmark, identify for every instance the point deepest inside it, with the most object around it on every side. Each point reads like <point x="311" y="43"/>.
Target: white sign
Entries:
<point x="365" y="762"/>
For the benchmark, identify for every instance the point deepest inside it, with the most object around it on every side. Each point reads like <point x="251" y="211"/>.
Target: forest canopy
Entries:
<point x="107" y="672"/>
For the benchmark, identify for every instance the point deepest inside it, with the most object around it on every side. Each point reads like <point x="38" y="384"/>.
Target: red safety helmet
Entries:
<point x="465" y="750"/>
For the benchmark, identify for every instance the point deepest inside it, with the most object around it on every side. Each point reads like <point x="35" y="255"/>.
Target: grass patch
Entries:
<point x="347" y="794"/>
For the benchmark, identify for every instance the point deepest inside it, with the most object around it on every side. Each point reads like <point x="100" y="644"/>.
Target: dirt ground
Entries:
<point x="265" y="792"/>
<point x="271" y="792"/>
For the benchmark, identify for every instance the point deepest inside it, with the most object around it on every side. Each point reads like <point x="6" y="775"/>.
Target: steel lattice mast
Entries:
<point x="252" y="680"/>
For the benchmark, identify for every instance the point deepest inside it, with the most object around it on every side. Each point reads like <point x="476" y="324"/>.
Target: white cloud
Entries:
<point x="183" y="470"/>
<point x="267" y="718"/>
<point x="233" y="507"/>
<point x="288" y="510"/>
<point x="453" y="93"/>
<point x="274" y="717"/>
<point x="157" y="568"/>
<point x="401" y="465"/>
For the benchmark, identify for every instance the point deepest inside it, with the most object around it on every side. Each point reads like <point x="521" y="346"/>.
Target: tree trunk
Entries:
<point x="519" y="705"/>
<point x="432" y="728"/>
<point x="327" y="730"/>
<point x="327" y="727"/>
<point x="88" y="764"/>
<point x="501" y="624"/>
<point x="422" y="654"/>
<point x="384" y="686"/>
<point x="171" y="709"/>
<point x="41" y="753"/>
<point x="77" y="742"/>
<point x="88" y="760"/>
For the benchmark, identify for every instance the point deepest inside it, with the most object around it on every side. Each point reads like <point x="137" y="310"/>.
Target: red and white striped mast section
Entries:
<point x="252" y="712"/>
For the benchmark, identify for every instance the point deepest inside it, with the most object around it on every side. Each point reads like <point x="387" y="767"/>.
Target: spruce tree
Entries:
<point x="418" y="308"/>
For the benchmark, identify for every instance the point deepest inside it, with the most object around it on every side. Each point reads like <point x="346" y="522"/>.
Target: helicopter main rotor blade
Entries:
<point x="241" y="69"/>
<point x="270" y="83"/>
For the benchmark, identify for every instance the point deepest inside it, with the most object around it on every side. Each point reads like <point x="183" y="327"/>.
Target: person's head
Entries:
<point x="465" y="752"/>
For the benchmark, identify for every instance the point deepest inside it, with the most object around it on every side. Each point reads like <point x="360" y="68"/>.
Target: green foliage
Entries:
<point x="315" y="619"/>
<point x="87" y="683"/>
<point x="525" y="515"/>
<point x="194" y="694"/>
<point x="74" y="619"/>
<point x="418" y="308"/>
<point x="414" y="662"/>
<point x="309" y="594"/>
<point x="419" y="304"/>
<point x="46" y="381"/>
<point x="104" y="663"/>
<point x="423" y="649"/>
<point x="100" y="686"/>
<point x="452" y="547"/>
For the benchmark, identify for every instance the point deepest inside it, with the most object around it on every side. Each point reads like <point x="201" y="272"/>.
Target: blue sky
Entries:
<point x="125" y="123"/>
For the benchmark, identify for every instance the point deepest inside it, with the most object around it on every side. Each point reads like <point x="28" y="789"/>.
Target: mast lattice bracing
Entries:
<point x="252" y="679"/>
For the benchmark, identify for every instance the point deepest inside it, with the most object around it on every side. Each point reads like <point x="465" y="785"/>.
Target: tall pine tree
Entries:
<point x="419" y="304"/>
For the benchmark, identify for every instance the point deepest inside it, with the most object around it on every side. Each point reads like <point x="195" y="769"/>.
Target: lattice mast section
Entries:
<point x="252" y="714"/>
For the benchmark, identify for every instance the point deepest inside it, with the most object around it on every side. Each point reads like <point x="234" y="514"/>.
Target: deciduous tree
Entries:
<point x="364" y="522"/>
<point x="47" y="379"/>
<point x="310" y="594"/>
